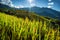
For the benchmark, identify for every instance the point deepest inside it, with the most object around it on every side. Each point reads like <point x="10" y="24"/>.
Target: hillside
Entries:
<point x="14" y="28"/>
<point x="23" y="14"/>
<point x="29" y="24"/>
<point x="48" y="12"/>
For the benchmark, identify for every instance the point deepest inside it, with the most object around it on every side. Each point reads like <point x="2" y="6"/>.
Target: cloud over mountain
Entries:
<point x="7" y="2"/>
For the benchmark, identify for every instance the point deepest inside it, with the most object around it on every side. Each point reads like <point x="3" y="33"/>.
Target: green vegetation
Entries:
<point x="23" y="14"/>
<point x="13" y="28"/>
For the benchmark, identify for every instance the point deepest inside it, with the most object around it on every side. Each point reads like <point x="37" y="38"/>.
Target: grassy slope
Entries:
<point x="13" y="28"/>
<point x="23" y="14"/>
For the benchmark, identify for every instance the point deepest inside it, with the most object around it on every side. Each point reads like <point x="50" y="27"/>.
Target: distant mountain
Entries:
<point x="44" y="12"/>
<point x="47" y="12"/>
<point x="4" y="6"/>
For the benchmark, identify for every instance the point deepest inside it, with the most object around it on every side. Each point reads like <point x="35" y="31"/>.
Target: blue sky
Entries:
<point x="54" y="4"/>
<point x="40" y="3"/>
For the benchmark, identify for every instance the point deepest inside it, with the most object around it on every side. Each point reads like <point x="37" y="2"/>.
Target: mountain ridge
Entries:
<point x="39" y="11"/>
<point x="43" y="11"/>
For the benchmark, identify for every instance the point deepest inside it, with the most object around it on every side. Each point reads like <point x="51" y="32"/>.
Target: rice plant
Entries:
<point x="13" y="28"/>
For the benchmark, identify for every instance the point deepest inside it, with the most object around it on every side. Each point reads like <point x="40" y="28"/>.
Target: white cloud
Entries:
<point x="21" y="6"/>
<point x="49" y="0"/>
<point x="52" y="3"/>
<point x="32" y="4"/>
<point x="49" y="6"/>
<point x="30" y="1"/>
<point x="16" y="6"/>
<point x="7" y="2"/>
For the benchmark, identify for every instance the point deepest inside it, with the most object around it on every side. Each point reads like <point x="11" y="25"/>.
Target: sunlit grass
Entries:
<point x="13" y="28"/>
